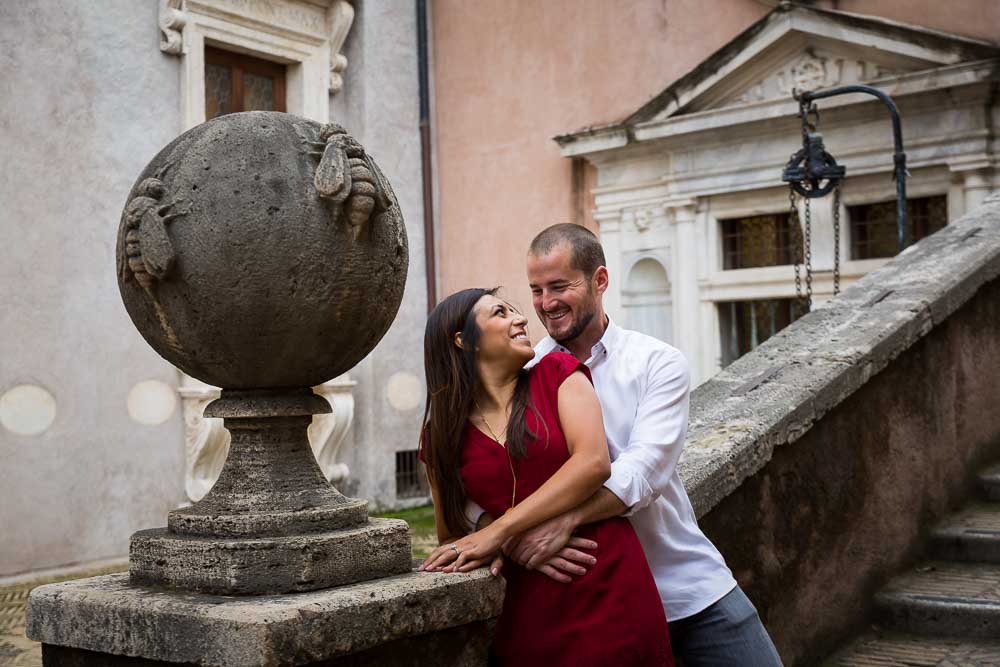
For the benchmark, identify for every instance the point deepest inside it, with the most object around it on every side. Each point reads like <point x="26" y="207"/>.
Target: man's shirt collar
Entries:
<point x="603" y="347"/>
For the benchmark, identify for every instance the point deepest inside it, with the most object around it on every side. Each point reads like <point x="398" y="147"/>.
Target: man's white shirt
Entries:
<point x="643" y="387"/>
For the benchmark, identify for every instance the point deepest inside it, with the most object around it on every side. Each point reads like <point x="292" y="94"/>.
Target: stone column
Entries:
<point x="977" y="184"/>
<point x="684" y="279"/>
<point x="706" y="364"/>
<point x="609" y="232"/>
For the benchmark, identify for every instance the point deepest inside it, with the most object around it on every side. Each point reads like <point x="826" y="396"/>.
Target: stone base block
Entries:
<point x="464" y="646"/>
<point x="269" y="565"/>
<point x="406" y="620"/>
<point x="193" y="520"/>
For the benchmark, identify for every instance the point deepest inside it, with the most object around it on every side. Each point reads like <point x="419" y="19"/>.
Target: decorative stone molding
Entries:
<point x="340" y="17"/>
<point x="207" y="442"/>
<point x="172" y="20"/>
<point x="643" y="218"/>
<point x="327" y="433"/>
<point x="306" y="35"/>
<point x="812" y="70"/>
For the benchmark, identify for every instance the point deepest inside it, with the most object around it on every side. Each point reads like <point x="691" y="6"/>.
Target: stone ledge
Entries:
<point x="105" y="614"/>
<point x="773" y="395"/>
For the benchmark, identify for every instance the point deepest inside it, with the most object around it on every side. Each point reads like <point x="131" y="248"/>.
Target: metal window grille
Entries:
<point x="746" y="324"/>
<point x="760" y="240"/>
<point x="873" y="226"/>
<point x="411" y="482"/>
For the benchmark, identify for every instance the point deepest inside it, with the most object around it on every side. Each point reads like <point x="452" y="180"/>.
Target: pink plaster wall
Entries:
<point x="979" y="19"/>
<point x="511" y="74"/>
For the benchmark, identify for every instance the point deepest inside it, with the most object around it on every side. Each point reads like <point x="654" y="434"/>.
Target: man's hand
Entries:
<point x="569" y="561"/>
<point x="546" y="541"/>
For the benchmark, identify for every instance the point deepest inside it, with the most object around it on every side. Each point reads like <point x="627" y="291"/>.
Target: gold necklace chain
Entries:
<point x="482" y="415"/>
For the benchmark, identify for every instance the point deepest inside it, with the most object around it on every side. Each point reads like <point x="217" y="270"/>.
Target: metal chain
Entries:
<point x="793" y="216"/>
<point x="808" y="250"/>
<point x="836" y="240"/>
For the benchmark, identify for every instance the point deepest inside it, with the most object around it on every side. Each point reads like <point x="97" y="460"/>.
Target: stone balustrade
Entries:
<point x="817" y="461"/>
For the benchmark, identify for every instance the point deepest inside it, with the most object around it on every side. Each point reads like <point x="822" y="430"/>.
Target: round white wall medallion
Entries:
<point x="151" y="402"/>
<point x="27" y="409"/>
<point x="405" y="391"/>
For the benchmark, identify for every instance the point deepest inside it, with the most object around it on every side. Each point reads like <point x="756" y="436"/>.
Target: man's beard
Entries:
<point x="577" y="329"/>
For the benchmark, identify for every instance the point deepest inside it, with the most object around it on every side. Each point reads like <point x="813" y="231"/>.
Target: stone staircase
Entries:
<point x="946" y="611"/>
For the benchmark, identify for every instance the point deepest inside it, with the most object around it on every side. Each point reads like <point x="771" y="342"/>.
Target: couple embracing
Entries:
<point x="558" y="466"/>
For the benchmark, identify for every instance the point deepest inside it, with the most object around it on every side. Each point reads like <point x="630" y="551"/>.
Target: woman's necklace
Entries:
<point x="482" y="415"/>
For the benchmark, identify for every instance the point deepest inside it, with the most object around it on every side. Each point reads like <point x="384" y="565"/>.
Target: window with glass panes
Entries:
<point x="760" y="240"/>
<point x="874" y="230"/>
<point x="743" y="325"/>
<point x="236" y="82"/>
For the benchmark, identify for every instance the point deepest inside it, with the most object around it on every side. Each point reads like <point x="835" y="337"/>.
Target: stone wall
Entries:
<point x="818" y="461"/>
<point x="380" y="106"/>
<point x="89" y="99"/>
<point x="94" y="446"/>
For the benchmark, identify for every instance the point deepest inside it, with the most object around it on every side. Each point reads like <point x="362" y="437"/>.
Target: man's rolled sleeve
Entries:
<point x="473" y="513"/>
<point x="642" y="471"/>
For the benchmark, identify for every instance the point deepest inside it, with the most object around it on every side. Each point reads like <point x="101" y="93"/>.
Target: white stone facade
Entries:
<point x="100" y="436"/>
<point x="713" y="146"/>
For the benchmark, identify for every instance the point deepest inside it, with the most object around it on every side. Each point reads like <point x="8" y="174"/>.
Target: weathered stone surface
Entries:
<point x="773" y="395"/>
<point x="843" y="437"/>
<point x="461" y="646"/>
<point x="270" y="565"/>
<point x="944" y="599"/>
<point x="880" y="650"/>
<point x="250" y="249"/>
<point x="989" y="482"/>
<point x="270" y="483"/>
<point x="107" y="615"/>
<point x="972" y="535"/>
<point x="814" y="533"/>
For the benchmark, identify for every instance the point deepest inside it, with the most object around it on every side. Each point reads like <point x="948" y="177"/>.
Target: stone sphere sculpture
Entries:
<point x="264" y="253"/>
<point x="262" y="249"/>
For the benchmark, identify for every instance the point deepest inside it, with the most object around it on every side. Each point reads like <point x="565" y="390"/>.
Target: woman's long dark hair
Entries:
<point x="452" y="381"/>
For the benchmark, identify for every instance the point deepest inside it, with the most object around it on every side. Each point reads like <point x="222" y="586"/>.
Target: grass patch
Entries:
<point x="421" y="521"/>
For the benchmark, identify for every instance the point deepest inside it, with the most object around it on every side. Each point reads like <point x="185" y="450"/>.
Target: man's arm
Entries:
<point x="539" y="547"/>
<point x="642" y="471"/>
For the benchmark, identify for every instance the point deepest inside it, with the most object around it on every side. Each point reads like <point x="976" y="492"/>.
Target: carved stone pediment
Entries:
<point x="809" y="69"/>
<point x="798" y="46"/>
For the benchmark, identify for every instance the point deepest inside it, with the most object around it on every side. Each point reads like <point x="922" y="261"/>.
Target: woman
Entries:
<point x="527" y="445"/>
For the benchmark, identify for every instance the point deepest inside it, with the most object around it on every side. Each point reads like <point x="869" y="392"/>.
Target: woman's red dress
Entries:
<point x="610" y="616"/>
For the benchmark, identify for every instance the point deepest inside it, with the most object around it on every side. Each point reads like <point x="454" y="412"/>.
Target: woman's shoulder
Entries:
<point x="557" y="366"/>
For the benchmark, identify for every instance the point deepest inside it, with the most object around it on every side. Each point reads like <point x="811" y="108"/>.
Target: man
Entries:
<point x="642" y="384"/>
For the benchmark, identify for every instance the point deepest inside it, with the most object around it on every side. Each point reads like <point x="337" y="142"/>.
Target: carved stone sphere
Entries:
<point x="262" y="249"/>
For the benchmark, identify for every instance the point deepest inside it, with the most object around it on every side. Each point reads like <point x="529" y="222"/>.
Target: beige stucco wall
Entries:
<point x="510" y="75"/>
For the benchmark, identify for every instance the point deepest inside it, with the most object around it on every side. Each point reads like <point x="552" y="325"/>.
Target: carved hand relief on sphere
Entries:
<point x="261" y="249"/>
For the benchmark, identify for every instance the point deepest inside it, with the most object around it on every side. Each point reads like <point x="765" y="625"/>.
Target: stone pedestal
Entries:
<point x="265" y="254"/>
<point x="409" y="619"/>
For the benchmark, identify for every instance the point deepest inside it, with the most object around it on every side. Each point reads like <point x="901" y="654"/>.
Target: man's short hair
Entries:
<point x="585" y="251"/>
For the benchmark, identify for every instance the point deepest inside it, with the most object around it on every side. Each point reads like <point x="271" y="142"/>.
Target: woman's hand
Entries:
<point x="467" y="553"/>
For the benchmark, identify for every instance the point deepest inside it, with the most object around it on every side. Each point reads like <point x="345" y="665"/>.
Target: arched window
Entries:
<point x="646" y="299"/>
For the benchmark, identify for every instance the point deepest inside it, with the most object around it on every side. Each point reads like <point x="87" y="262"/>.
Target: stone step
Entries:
<point x="971" y="535"/>
<point x="989" y="482"/>
<point x="883" y="650"/>
<point x="943" y="599"/>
